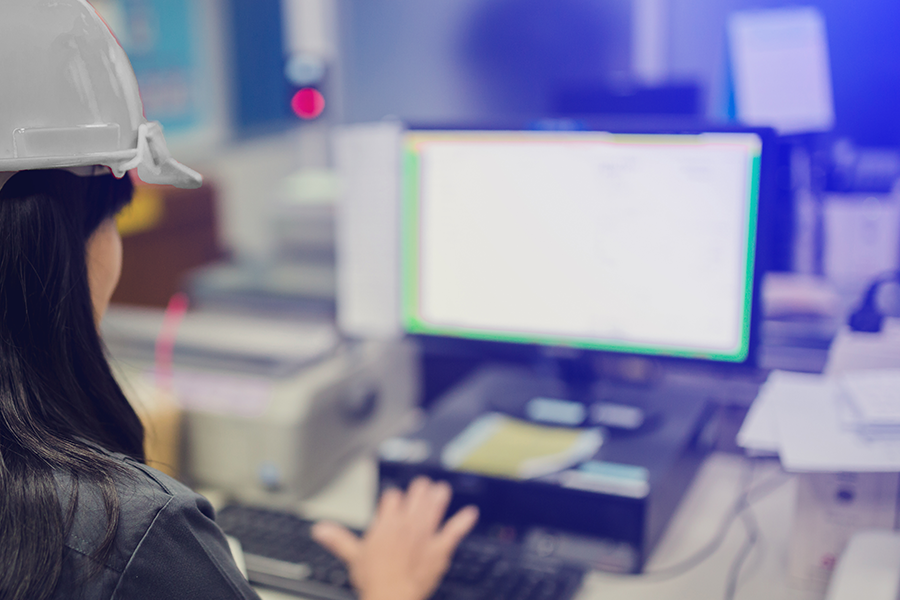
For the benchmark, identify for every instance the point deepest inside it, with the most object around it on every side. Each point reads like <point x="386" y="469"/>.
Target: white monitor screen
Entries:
<point x="628" y="243"/>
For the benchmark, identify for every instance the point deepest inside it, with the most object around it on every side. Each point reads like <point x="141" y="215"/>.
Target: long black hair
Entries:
<point x="58" y="397"/>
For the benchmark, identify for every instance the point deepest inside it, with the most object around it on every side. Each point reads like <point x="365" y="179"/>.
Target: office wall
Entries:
<point x="471" y="60"/>
<point x="454" y="60"/>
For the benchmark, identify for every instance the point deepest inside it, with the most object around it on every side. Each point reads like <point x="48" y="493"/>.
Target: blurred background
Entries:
<point x="250" y="93"/>
<point x="258" y="94"/>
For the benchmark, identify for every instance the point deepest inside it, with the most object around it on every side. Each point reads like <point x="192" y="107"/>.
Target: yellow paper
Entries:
<point x="502" y="446"/>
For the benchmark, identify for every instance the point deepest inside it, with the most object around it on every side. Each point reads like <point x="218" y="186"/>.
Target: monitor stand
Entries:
<point x="607" y="512"/>
<point x="577" y="389"/>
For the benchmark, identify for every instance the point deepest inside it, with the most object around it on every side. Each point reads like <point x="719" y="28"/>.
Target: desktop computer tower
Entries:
<point x="607" y="513"/>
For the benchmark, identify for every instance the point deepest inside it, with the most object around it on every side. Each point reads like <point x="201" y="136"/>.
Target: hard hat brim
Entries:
<point x="151" y="157"/>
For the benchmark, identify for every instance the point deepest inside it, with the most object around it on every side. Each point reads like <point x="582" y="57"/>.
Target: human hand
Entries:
<point x="404" y="554"/>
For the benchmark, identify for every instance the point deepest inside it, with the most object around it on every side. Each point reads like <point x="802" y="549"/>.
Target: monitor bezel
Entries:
<point x="483" y="349"/>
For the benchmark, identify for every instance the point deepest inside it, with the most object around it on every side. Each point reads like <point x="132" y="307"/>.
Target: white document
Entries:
<point x="781" y="71"/>
<point x="875" y="395"/>
<point x="814" y="437"/>
<point x="806" y="420"/>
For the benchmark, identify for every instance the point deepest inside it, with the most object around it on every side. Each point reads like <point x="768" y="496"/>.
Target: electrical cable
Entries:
<point x="737" y="565"/>
<point x="754" y="540"/>
<point x="745" y="500"/>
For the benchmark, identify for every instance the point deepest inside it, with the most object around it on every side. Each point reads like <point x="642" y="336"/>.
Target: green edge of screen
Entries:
<point x="410" y="241"/>
<point x="756" y="165"/>
<point x="410" y="300"/>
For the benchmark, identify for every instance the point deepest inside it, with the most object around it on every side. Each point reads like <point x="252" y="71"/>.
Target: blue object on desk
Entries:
<point x="555" y="411"/>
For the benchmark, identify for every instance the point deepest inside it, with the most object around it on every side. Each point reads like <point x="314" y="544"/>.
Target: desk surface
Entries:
<point x="697" y="521"/>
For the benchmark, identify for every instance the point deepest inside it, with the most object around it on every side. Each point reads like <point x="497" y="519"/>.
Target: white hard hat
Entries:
<point x="69" y="97"/>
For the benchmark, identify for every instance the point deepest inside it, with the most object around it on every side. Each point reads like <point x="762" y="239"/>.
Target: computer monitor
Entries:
<point x="639" y="243"/>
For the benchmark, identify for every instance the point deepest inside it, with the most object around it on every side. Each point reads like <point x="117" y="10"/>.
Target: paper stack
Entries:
<point x="872" y="399"/>
<point x="814" y="423"/>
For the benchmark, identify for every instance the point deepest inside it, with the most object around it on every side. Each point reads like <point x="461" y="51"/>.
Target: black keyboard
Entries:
<point x="280" y="553"/>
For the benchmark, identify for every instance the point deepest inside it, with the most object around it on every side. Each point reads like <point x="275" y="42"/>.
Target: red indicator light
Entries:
<point x="308" y="103"/>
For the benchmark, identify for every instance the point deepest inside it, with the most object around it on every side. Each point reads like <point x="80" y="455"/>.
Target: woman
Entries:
<point x="81" y="516"/>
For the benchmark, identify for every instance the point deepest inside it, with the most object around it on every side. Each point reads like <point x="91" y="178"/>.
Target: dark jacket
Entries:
<point x="167" y="545"/>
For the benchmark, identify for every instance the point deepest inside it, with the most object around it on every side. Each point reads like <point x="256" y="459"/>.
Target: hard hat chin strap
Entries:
<point x="154" y="162"/>
<point x="141" y="154"/>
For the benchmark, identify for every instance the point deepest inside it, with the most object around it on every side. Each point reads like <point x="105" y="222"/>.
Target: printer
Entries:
<point x="271" y="408"/>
